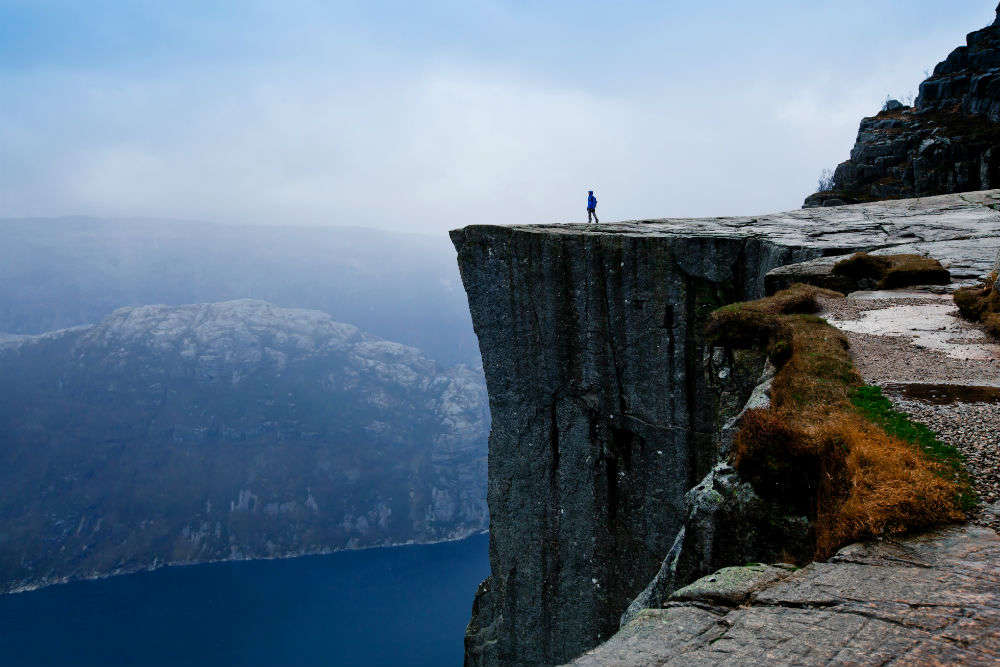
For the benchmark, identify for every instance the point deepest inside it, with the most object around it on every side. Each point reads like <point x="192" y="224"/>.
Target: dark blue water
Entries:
<point x="398" y="606"/>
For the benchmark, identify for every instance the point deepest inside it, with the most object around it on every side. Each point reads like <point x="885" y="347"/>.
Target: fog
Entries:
<point x="427" y="118"/>
<point x="63" y="272"/>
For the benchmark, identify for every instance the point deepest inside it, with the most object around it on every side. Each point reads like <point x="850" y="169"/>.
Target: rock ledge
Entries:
<point x="932" y="599"/>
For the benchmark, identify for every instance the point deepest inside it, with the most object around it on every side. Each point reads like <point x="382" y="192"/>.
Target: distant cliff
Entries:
<point x="610" y="408"/>
<point x="949" y="141"/>
<point x="227" y="430"/>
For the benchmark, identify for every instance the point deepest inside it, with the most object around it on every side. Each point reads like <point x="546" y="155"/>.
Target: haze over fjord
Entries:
<point x="427" y="117"/>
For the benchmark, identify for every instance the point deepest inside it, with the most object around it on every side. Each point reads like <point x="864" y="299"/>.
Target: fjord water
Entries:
<point x="393" y="606"/>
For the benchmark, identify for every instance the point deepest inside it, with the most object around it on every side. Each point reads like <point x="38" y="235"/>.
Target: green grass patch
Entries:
<point x="876" y="408"/>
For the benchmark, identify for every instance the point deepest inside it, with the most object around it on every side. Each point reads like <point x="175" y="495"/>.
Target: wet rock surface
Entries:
<point x="928" y="600"/>
<point x="918" y="337"/>
<point x="947" y="142"/>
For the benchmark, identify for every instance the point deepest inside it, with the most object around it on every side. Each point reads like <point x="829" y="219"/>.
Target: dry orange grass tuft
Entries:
<point x="888" y="486"/>
<point x="759" y="323"/>
<point x="812" y="450"/>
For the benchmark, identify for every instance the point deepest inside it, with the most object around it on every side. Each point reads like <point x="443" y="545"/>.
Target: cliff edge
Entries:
<point x="932" y="600"/>
<point x="609" y="405"/>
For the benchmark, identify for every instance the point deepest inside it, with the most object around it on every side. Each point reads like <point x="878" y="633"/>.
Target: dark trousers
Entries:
<point x="592" y="212"/>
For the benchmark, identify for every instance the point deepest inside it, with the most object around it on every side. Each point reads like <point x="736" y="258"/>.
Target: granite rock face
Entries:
<point x="949" y="141"/>
<point x="929" y="600"/>
<point x="608" y="406"/>
<point x="602" y="419"/>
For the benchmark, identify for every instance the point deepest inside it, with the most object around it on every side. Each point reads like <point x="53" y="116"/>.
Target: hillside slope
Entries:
<point x="227" y="430"/>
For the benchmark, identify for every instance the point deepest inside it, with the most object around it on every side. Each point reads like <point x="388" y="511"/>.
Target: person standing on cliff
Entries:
<point x="591" y="206"/>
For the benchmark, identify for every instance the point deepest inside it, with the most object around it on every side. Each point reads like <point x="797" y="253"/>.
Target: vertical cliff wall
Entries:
<point x="603" y="416"/>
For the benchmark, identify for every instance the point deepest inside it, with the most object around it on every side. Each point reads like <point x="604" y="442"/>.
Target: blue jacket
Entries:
<point x="591" y="202"/>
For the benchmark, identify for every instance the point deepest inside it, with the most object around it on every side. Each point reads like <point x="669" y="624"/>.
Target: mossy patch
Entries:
<point x="893" y="271"/>
<point x="731" y="585"/>
<point x="877" y="408"/>
<point x="759" y="324"/>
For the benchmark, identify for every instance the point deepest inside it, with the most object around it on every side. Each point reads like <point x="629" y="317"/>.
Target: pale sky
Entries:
<point x="429" y="116"/>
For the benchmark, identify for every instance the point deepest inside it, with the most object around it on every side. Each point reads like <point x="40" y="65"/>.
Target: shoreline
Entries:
<point x="31" y="587"/>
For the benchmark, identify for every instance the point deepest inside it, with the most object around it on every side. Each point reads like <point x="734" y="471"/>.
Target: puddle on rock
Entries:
<point x="932" y="326"/>
<point x="944" y="394"/>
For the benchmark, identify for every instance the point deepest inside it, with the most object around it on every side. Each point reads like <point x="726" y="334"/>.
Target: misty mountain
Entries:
<point x="63" y="272"/>
<point x="225" y="430"/>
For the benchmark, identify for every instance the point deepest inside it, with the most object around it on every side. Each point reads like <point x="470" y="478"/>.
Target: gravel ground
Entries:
<point x="887" y="360"/>
<point x="973" y="428"/>
<point x="881" y="358"/>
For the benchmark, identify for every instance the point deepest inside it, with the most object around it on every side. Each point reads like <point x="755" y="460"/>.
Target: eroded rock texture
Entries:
<point x="608" y="406"/>
<point x="949" y="141"/>
<point x="602" y="419"/>
<point x="931" y="600"/>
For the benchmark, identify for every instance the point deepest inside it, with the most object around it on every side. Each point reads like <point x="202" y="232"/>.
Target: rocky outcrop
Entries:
<point x="608" y="405"/>
<point x="929" y="600"/>
<point x="227" y="431"/>
<point x="726" y="522"/>
<point x="949" y="141"/>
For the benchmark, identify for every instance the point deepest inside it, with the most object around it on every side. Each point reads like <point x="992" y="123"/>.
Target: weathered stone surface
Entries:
<point x="603" y="416"/>
<point x="967" y="258"/>
<point x="656" y="637"/>
<point x="731" y="586"/>
<point x="607" y="404"/>
<point x="726" y="523"/>
<point x="817" y="272"/>
<point x="946" y="143"/>
<point x="928" y="600"/>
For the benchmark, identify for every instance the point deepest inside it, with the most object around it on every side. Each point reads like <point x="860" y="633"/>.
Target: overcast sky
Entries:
<point x="429" y="116"/>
